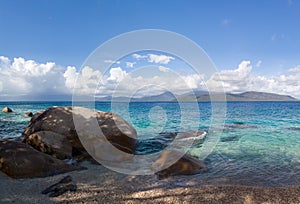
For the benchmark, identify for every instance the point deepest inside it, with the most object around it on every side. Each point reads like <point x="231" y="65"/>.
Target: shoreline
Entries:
<point x="98" y="184"/>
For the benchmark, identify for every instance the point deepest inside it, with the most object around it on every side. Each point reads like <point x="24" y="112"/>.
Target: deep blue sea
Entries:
<point x="259" y="143"/>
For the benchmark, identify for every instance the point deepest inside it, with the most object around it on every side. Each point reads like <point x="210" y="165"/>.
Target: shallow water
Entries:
<point x="259" y="144"/>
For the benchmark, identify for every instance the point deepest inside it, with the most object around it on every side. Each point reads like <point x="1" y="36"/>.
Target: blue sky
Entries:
<point x="67" y="31"/>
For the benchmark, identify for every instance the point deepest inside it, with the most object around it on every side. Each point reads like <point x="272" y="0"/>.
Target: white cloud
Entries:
<point x="258" y="63"/>
<point x="231" y="80"/>
<point x="276" y="37"/>
<point x="70" y="76"/>
<point x="238" y="74"/>
<point x="160" y="59"/>
<point x="130" y="64"/>
<point x="21" y="77"/>
<point x="112" y="62"/>
<point x="138" y="57"/>
<point x="295" y="69"/>
<point x="194" y="81"/>
<point x="4" y="62"/>
<point x="117" y="74"/>
<point x="163" y="69"/>
<point x="242" y="79"/>
<point x="27" y="77"/>
<point x="85" y="82"/>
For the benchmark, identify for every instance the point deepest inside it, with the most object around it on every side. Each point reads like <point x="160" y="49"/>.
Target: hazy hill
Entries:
<point x="203" y="96"/>
<point x="246" y="96"/>
<point x="166" y="96"/>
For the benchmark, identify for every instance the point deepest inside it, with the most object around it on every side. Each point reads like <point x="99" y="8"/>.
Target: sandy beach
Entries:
<point x="98" y="184"/>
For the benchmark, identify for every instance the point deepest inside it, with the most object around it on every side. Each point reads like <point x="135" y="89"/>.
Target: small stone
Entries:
<point x="61" y="187"/>
<point x="28" y="114"/>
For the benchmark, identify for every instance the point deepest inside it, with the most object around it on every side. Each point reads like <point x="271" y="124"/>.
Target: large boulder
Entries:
<point x="50" y="143"/>
<point x="60" y="120"/>
<point x="7" y="110"/>
<point x="172" y="163"/>
<point x="19" y="160"/>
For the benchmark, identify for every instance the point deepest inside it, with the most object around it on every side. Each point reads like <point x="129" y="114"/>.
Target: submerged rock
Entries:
<point x="186" y="165"/>
<point x="7" y="110"/>
<point x="240" y="126"/>
<point x="19" y="160"/>
<point x="197" y="136"/>
<point x="163" y="139"/>
<point x="293" y="128"/>
<point x="231" y="138"/>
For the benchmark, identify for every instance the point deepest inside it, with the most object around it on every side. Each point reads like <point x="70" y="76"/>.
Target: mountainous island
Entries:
<point x="203" y="96"/>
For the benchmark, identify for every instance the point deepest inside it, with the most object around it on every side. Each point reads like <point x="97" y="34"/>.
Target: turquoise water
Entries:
<point x="259" y="145"/>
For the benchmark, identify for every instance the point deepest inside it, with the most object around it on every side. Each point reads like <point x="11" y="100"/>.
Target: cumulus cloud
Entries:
<point x="243" y="79"/>
<point x="27" y="77"/>
<point x="295" y="69"/>
<point x="117" y="74"/>
<point x="160" y="59"/>
<point x="163" y="69"/>
<point x="138" y="57"/>
<point x="258" y="63"/>
<point x="112" y="62"/>
<point x="85" y="82"/>
<point x="130" y="64"/>
<point x="143" y="86"/>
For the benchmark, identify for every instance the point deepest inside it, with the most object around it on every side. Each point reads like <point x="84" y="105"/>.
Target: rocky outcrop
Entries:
<point x="170" y="163"/>
<point x="19" y="160"/>
<point x="7" y="110"/>
<point x="50" y="143"/>
<point x="59" y="120"/>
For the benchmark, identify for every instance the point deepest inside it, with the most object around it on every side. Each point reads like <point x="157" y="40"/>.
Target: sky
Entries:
<point x="254" y="45"/>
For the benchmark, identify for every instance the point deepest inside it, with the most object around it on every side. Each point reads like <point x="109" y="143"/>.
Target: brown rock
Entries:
<point x="7" y="110"/>
<point x="36" y="115"/>
<point x="19" y="160"/>
<point x="50" y="143"/>
<point x="28" y="114"/>
<point x="165" y="167"/>
<point x="60" y="120"/>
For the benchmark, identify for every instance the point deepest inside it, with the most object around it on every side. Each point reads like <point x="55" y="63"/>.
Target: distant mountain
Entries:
<point x="203" y="96"/>
<point x="166" y="96"/>
<point x="246" y="96"/>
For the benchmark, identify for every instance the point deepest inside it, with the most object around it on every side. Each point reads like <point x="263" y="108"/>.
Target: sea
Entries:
<point x="257" y="144"/>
